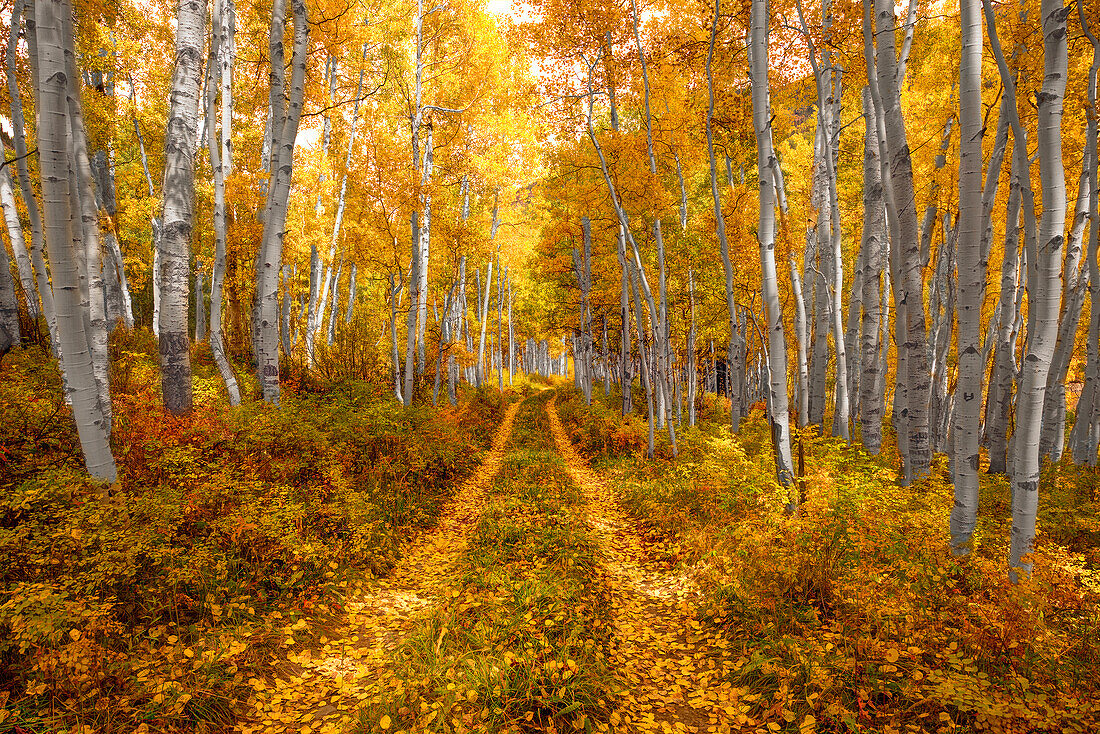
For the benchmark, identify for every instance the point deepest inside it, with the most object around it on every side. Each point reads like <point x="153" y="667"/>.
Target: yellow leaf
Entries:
<point x="384" y="722"/>
<point x="892" y="655"/>
<point x="74" y="634"/>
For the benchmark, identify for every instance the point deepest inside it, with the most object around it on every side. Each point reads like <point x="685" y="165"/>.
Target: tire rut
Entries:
<point x="324" y="687"/>
<point x="671" y="670"/>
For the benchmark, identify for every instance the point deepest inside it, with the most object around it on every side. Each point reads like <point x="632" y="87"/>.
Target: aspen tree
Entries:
<point x="18" y="247"/>
<point x="720" y="224"/>
<point x="286" y="109"/>
<point x="221" y="50"/>
<point x="873" y="246"/>
<point x="909" y="287"/>
<point x="1085" y="436"/>
<point x="19" y="144"/>
<point x="60" y="210"/>
<point x="972" y="271"/>
<point x="1043" y="274"/>
<point x="9" y="305"/>
<point x="766" y="162"/>
<point x="173" y="246"/>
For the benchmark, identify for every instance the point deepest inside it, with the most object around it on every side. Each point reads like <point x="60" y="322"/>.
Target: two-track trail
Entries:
<point x="671" y="670"/>
<point x="323" y="688"/>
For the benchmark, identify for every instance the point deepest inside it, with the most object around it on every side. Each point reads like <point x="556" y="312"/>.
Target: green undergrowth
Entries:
<point x="853" y="611"/>
<point x="519" y="640"/>
<point x="156" y="602"/>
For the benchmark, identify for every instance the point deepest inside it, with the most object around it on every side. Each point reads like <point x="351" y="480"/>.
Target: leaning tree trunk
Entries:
<point x="285" y="129"/>
<point x="766" y="163"/>
<point x="60" y="214"/>
<point x="179" y="193"/>
<point x="971" y="273"/>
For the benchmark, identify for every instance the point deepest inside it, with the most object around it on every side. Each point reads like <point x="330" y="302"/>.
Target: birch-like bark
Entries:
<point x="87" y="234"/>
<point x="873" y="248"/>
<point x="15" y="235"/>
<point x="802" y="383"/>
<point x="285" y="130"/>
<point x="828" y="103"/>
<point x="1085" y="437"/>
<point x="644" y="367"/>
<point x="483" y="307"/>
<point x="766" y="160"/>
<point x="720" y="224"/>
<point x="1044" y="292"/>
<point x="910" y="286"/>
<point x="9" y="305"/>
<point x="660" y="332"/>
<point x="178" y="213"/>
<point x="352" y="293"/>
<point x="1003" y="370"/>
<point x="221" y="46"/>
<point x="334" y="307"/>
<point x="1052" y="436"/>
<point x="396" y="284"/>
<point x="972" y="271"/>
<point x="19" y="144"/>
<point x="227" y="56"/>
<point x="59" y="208"/>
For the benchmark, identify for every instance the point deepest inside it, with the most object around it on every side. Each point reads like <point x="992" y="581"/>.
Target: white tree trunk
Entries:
<point x="972" y="273"/>
<point x="222" y="46"/>
<point x="873" y="247"/>
<point x="60" y="211"/>
<point x="1085" y="437"/>
<point x="19" y="143"/>
<point x="179" y="194"/>
<point x="910" y="285"/>
<point x="720" y="225"/>
<point x="9" y="305"/>
<point x="1044" y="291"/>
<point x="285" y="130"/>
<point x="766" y="160"/>
<point x="15" y="235"/>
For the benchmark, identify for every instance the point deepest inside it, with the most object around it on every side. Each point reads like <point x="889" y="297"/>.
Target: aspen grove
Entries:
<point x="623" y="365"/>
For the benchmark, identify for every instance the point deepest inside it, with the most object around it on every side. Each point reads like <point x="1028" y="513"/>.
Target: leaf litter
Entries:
<point x="323" y="687"/>
<point x="672" y="670"/>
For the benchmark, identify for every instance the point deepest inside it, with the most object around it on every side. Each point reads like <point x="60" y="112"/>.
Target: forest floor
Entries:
<point x="512" y="564"/>
<point x="661" y="669"/>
